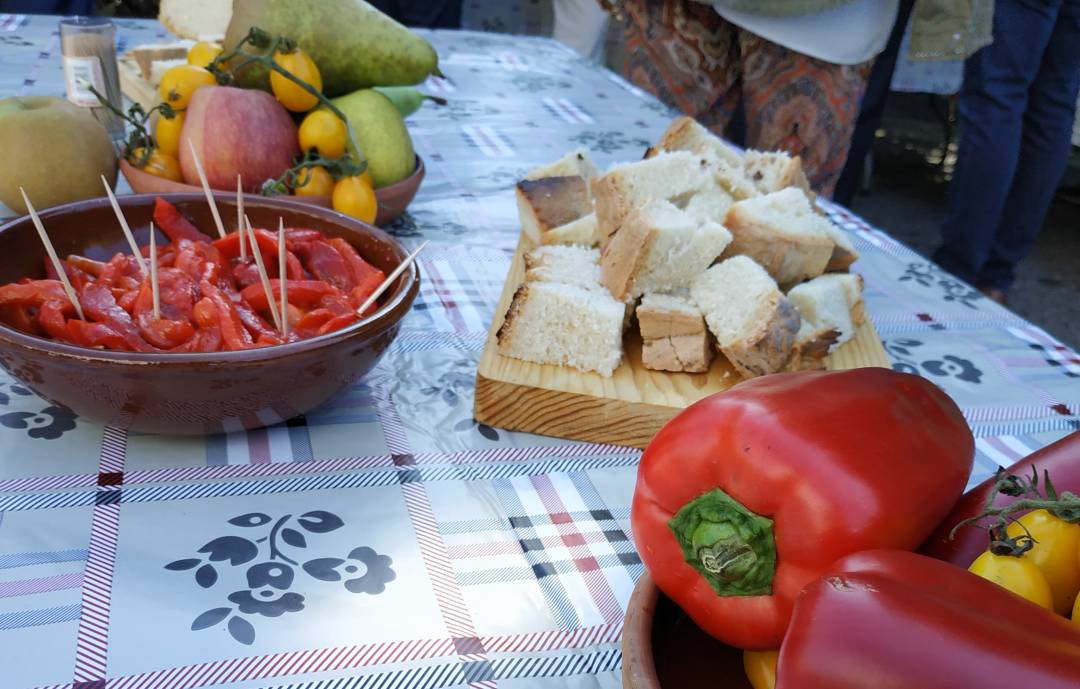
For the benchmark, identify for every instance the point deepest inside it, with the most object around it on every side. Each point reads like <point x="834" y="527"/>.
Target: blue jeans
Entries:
<point x="1017" y="109"/>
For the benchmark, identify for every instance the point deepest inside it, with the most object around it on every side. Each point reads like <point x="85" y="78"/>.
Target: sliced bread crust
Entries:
<point x="781" y="233"/>
<point x="686" y="134"/>
<point x="678" y="353"/>
<point x="576" y="163"/>
<point x="775" y="170"/>
<point x="550" y="202"/>
<point x="754" y="324"/>
<point x="580" y="232"/>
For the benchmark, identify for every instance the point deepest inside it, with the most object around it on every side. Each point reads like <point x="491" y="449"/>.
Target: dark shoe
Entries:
<point x="995" y="294"/>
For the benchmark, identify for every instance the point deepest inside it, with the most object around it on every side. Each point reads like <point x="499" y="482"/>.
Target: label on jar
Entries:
<point x="80" y="73"/>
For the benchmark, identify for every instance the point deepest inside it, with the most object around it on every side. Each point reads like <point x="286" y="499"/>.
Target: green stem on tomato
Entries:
<point x="730" y="546"/>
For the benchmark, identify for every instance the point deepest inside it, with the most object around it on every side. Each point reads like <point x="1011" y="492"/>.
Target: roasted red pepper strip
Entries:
<point x="177" y="297"/>
<point x="229" y="247"/>
<point x="51" y="319"/>
<point x="34" y="293"/>
<point x="325" y="263"/>
<point x="338" y="322"/>
<point x="18" y="317"/>
<point x="87" y="265"/>
<point x="905" y="621"/>
<point x="297" y="235"/>
<point x="300" y="292"/>
<point x="94" y="335"/>
<point x="254" y="323"/>
<point x="748" y="495"/>
<point x="173" y="224"/>
<point x="309" y="324"/>
<point x="361" y="270"/>
<point x="233" y="333"/>
<point x="99" y="305"/>
<point x="1061" y="459"/>
<point x="363" y="290"/>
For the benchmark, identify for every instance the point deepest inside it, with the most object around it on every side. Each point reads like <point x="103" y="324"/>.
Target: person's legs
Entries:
<point x="802" y="105"/>
<point x="872" y="108"/>
<point x="992" y="104"/>
<point x="1044" y="152"/>
<point x="685" y="54"/>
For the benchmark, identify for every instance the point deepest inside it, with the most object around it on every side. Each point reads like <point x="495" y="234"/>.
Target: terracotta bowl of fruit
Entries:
<point x="200" y="386"/>
<point x="663" y="648"/>
<point x="393" y="199"/>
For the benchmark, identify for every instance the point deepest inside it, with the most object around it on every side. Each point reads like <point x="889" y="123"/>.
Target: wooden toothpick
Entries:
<point x="390" y="279"/>
<point x="60" y="272"/>
<point x="240" y="218"/>
<point x="124" y="226"/>
<point x="206" y="190"/>
<point x="282" y="279"/>
<point x="262" y="275"/>
<point x="153" y="274"/>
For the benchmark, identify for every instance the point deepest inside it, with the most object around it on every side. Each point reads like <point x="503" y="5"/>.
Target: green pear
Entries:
<point x="353" y="44"/>
<point x="381" y="133"/>
<point x="54" y="149"/>
<point x="408" y="99"/>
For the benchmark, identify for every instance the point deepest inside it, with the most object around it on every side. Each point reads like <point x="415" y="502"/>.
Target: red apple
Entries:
<point x="237" y="132"/>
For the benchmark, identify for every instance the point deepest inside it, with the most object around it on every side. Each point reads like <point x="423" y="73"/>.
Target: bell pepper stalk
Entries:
<point x="748" y="495"/>
<point x="888" y="618"/>
<point x="1060" y="459"/>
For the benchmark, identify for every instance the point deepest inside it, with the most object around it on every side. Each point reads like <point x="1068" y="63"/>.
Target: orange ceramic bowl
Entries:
<point x="204" y="392"/>
<point x="393" y="199"/>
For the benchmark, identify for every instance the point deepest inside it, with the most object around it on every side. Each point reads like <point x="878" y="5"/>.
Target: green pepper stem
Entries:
<point x="730" y="546"/>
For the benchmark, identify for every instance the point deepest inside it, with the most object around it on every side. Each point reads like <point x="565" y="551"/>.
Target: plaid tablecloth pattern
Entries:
<point x="386" y="539"/>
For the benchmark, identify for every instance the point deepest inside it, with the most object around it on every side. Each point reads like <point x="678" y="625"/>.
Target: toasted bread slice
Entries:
<point x="663" y="315"/>
<point x="782" y="233"/>
<point x="576" y="163"/>
<point x="659" y="249"/>
<point x="775" y="170"/>
<point x="567" y="325"/>
<point x="844" y="252"/>
<point x="581" y="232"/>
<point x="753" y="322"/>
<point x="829" y="303"/>
<point x="625" y="188"/>
<point x="573" y="265"/>
<point x="550" y="202"/>
<point x="146" y="55"/>
<point x="685" y="134"/>
<point x="678" y="353"/>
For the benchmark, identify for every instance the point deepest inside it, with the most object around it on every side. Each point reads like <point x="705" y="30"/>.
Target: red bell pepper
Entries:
<point x="177" y="299"/>
<point x="18" y="316"/>
<point x="94" y="335"/>
<point x="1061" y="459"/>
<point x="173" y="224"/>
<point x="300" y="292"/>
<point x="233" y="333"/>
<point x="748" y="495"/>
<point x="51" y="319"/>
<point x="34" y="293"/>
<point x="900" y="620"/>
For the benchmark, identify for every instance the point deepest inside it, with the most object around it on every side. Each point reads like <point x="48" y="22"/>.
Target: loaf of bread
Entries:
<point x="782" y="233"/>
<point x="753" y="322"/>
<point x="673" y="334"/>
<point x="659" y="248"/>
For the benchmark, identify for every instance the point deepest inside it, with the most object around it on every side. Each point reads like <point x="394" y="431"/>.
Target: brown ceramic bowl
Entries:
<point x="393" y="199"/>
<point x="663" y="648"/>
<point x="196" y="393"/>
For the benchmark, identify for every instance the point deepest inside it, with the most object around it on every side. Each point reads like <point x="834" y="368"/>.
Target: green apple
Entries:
<point x="54" y="149"/>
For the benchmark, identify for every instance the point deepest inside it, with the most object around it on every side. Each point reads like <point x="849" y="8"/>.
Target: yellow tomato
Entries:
<point x="314" y="181"/>
<point x="159" y="164"/>
<point x="167" y="134"/>
<point x="291" y="95"/>
<point x="181" y="81"/>
<point x="1017" y="574"/>
<point x="353" y="196"/>
<point x="325" y="132"/>
<point x="203" y="53"/>
<point x="366" y="176"/>
<point x="1076" y="612"/>
<point x="1054" y="553"/>
<point x="760" y="668"/>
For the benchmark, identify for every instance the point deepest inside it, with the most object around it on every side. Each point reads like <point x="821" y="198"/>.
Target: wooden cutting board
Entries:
<point x="626" y="409"/>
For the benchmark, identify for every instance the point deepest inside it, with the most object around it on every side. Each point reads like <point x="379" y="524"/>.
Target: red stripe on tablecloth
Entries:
<point x="595" y="580"/>
<point x="258" y="446"/>
<point x="26" y="587"/>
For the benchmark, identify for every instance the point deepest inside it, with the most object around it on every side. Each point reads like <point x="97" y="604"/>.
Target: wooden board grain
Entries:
<point x="626" y="409"/>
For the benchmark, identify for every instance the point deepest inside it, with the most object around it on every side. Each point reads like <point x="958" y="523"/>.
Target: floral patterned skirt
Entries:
<point x="691" y="58"/>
